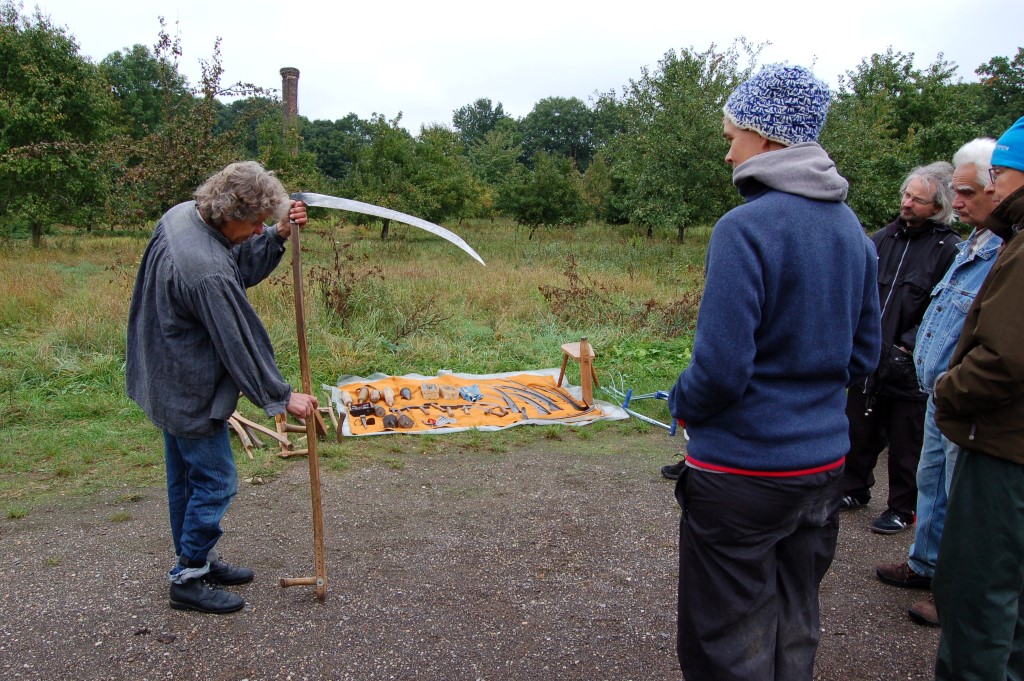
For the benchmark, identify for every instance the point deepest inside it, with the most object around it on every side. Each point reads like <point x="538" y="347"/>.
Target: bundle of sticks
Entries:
<point x="251" y="434"/>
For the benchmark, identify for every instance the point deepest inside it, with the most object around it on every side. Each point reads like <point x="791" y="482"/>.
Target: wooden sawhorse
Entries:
<point x="584" y="354"/>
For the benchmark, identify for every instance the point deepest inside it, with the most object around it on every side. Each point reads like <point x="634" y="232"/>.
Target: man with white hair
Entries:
<point x="887" y="410"/>
<point x="938" y="335"/>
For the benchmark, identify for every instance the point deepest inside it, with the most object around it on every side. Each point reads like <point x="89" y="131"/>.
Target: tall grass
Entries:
<point x="413" y="303"/>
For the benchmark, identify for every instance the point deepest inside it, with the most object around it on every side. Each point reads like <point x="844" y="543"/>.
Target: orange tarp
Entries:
<point x="530" y="395"/>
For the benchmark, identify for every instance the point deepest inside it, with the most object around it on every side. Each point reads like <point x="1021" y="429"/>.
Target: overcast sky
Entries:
<point x="426" y="59"/>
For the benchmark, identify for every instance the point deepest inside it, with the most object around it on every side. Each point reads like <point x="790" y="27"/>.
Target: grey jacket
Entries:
<point x="194" y="341"/>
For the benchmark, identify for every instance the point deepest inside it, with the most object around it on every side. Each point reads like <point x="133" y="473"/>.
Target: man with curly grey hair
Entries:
<point x="937" y="336"/>
<point x="194" y="343"/>
<point x="888" y="409"/>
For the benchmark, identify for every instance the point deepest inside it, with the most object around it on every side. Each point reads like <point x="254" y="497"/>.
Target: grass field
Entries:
<point x="413" y="303"/>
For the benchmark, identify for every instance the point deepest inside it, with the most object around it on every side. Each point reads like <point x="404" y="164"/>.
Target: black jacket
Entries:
<point x="910" y="263"/>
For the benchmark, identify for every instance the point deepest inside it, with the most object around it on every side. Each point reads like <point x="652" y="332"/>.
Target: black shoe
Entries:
<point x="891" y="522"/>
<point x="673" y="472"/>
<point x="228" y="575"/>
<point x="201" y="596"/>
<point x="852" y="501"/>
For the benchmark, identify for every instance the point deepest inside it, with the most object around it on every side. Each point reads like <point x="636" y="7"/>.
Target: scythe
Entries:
<point x="325" y="201"/>
<point x="319" y="562"/>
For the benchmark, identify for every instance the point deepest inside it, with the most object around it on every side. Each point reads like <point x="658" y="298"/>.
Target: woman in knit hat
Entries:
<point x="788" y="319"/>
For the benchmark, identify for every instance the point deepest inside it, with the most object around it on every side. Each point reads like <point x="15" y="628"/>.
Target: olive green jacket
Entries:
<point x="979" y="401"/>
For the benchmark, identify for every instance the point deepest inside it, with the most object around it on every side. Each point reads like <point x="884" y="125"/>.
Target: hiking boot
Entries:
<point x="201" y="596"/>
<point x="891" y="522"/>
<point x="852" y="501"/>
<point x="902" y="575"/>
<point x="923" y="612"/>
<point x="674" y="471"/>
<point x="228" y="575"/>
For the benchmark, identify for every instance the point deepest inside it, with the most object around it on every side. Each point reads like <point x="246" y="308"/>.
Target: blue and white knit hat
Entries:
<point x="1009" y="151"/>
<point x="785" y="104"/>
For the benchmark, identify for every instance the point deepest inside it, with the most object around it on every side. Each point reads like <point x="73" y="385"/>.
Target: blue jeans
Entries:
<point x="934" y="476"/>
<point x="201" y="482"/>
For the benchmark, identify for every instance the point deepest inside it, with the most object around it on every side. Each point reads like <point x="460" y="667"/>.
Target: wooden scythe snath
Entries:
<point x="320" y="581"/>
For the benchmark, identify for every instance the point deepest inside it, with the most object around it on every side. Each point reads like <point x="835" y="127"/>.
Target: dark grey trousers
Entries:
<point x="979" y="579"/>
<point x="752" y="552"/>
<point x="896" y="424"/>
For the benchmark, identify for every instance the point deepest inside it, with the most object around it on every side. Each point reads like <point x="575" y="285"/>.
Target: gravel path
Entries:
<point x="556" y="562"/>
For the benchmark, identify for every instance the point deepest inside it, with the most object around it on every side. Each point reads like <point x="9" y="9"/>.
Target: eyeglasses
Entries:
<point x="917" y="199"/>
<point x="993" y="173"/>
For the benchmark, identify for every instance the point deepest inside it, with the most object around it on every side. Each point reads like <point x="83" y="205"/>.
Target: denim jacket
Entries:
<point x="951" y="298"/>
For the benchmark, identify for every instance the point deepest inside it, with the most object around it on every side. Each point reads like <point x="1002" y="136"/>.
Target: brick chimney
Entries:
<point x="290" y="104"/>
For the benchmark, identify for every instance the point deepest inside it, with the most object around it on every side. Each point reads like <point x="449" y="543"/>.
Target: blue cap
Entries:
<point x="1009" y="151"/>
<point x="785" y="104"/>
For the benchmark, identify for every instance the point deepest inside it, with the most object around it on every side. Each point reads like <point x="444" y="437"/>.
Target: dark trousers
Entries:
<point x="752" y="552"/>
<point x="897" y="424"/>
<point x="979" y="580"/>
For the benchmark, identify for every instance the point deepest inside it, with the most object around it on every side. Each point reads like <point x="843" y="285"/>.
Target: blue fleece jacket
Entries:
<point x="788" y="319"/>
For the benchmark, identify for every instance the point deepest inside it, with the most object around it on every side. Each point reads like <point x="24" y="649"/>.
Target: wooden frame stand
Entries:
<point x="583" y="353"/>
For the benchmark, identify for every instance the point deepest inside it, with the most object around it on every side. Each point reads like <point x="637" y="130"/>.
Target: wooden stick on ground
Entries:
<point x="243" y="436"/>
<point x="320" y="581"/>
<point x="256" y="441"/>
<point x="253" y="426"/>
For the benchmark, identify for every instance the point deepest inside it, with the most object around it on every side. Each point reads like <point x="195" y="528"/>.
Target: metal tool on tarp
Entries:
<point x="617" y="389"/>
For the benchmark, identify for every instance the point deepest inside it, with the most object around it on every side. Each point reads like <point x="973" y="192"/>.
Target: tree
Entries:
<point x="383" y="173"/>
<point x="442" y="174"/>
<point x="888" y="117"/>
<point x="609" y="119"/>
<point x="494" y="161"/>
<point x="474" y="121"/>
<point x="56" y="112"/>
<point x="164" y="167"/>
<point x="336" y="144"/>
<point x="494" y="158"/>
<point x="562" y="126"/>
<point x="597" y="187"/>
<point x="549" y="194"/>
<point x="141" y="83"/>
<point x="1003" y="81"/>
<point x="667" y="163"/>
<point x="252" y="121"/>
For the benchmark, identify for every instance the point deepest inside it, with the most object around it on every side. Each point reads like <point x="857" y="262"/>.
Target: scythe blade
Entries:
<point x="325" y="201"/>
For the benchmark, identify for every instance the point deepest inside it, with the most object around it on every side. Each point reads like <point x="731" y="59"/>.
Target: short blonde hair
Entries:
<point x="243" y="191"/>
